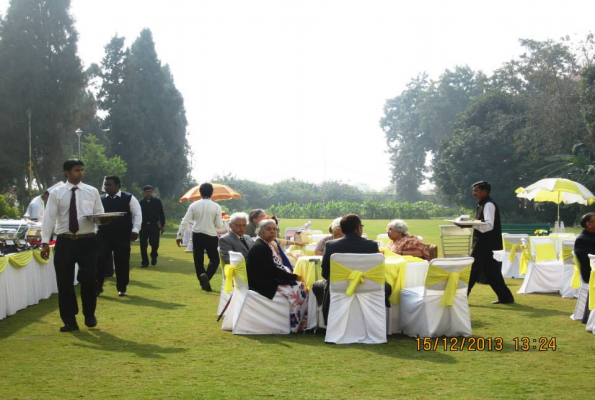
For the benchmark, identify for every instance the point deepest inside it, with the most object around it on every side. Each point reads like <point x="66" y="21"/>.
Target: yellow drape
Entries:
<point x="513" y="250"/>
<point x="20" y="260"/>
<point x="340" y="272"/>
<point x="3" y="263"/>
<point x="566" y="253"/>
<point x="508" y="245"/>
<point x="37" y="256"/>
<point x="306" y="269"/>
<point x="576" y="276"/>
<point x="234" y="270"/>
<point x="545" y="252"/>
<point x="592" y="290"/>
<point x="437" y="275"/>
<point x="525" y="258"/>
<point x="395" y="276"/>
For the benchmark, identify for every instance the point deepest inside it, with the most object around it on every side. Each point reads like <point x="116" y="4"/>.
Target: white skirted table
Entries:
<point x="25" y="279"/>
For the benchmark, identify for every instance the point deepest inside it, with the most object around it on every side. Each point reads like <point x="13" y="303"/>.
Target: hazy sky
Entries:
<point x="279" y="89"/>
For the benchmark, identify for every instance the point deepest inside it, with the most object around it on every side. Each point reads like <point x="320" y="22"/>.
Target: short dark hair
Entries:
<point x="483" y="185"/>
<point x="206" y="190"/>
<point x="586" y="218"/>
<point x="73" y="162"/>
<point x="114" y="178"/>
<point x="350" y="223"/>
<point x="255" y="213"/>
<point x="147" y="187"/>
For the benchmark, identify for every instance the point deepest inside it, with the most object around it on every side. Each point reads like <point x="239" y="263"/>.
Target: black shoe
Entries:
<point x="122" y="294"/>
<point x="204" y="282"/>
<point x="69" y="328"/>
<point x="153" y="260"/>
<point x="502" y="302"/>
<point x="144" y="266"/>
<point x="91" y="322"/>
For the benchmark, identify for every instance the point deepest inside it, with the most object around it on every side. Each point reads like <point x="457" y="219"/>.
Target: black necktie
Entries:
<point x="243" y="241"/>
<point x="73" y="222"/>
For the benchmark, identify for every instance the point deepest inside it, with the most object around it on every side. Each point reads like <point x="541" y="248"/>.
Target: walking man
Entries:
<point x="486" y="239"/>
<point x="116" y="237"/>
<point x="65" y="216"/>
<point x="205" y="215"/>
<point x="153" y="225"/>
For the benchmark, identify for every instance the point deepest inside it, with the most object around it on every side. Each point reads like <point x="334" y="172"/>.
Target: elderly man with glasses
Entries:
<point x="236" y="239"/>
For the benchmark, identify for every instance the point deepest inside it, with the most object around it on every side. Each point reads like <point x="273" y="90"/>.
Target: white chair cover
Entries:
<point x="568" y="292"/>
<point x="421" y="312"/>
<point x="252" y="313"/>
<point x="510" y="269"/>
<point x="415" y="275"/>
<point x="543" y="276"/>
<point x="591" y="320"/>
<point x="360" y="318"/>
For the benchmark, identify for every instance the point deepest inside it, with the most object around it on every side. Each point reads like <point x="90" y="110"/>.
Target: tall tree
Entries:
<point x="39" y="71"/>
<point x="147" y="119"/>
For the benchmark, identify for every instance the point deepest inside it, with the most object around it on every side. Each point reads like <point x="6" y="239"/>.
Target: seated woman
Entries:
<point x="268" y="275"/>
<point x="403" y="243"/>
<point x="336" y="233"/>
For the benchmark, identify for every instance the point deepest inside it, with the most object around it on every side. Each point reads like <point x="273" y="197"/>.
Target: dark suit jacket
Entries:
<point x="230" y="242"/>
<point x="350" y="243"/>
<point x="262" y="271"/>
<point x="583" y="246"/>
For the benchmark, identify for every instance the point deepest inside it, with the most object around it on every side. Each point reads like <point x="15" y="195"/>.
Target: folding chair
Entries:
<point x="357" y="310"/>
<point x="440" y="307"/>
<point x="545" y="273"/>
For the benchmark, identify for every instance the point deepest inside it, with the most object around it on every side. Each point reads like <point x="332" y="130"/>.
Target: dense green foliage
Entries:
<point x="98" y="165"/>
<point x="367" y="209"/>
<point x="6" y="210"/>
<point x="138" y="114"/>
<point x="531" y="119"/>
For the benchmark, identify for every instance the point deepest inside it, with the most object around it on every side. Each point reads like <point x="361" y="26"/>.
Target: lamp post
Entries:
<point x="79" y="133"/>
<point x="30" y="151"/>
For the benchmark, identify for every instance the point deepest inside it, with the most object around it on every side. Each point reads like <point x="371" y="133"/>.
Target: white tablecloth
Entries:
<point x="22" y="287"/>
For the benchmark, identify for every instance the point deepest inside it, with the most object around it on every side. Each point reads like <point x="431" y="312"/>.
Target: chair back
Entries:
<point x="511" y="239"/>
<point x="383" y="239"/>
<point x="544" y="249"/>
<point x="316" y="237"/>
<point x="592" y="260"/>
<point x="449" y="265"/>
<point x="237" y="259"/>
<point x="357" y="262"/>
<point x="567" y="256"/>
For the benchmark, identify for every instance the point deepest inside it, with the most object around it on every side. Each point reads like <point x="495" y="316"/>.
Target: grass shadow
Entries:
<point x="31" y="315"/>
<point x="532" y="312"/>
<point x="102" y="341"/>
<point x="143" y="285"/>
<point x="142" y="302"/>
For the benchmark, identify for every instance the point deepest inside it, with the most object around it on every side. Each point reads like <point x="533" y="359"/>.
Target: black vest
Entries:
<point x="491" y="240"/>
<point x="118" y="204"/>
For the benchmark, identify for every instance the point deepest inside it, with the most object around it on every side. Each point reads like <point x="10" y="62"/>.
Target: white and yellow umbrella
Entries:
<point x="557" y="190"/>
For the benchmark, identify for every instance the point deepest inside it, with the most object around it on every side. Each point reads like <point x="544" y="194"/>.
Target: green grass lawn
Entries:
<point x="163" y="342"/>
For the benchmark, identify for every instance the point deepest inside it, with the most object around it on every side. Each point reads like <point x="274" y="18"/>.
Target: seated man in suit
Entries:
<point x="352" y="242"/>
<point x="236" y="239"/>
<point x="583" y="246"/>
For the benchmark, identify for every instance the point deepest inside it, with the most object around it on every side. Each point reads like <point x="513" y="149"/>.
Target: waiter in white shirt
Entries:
<point x="487" y="239"/>
<point x="205" y="214"/>
<point x="116" y="237"/>
<point x="65" y="216"/>
<point x="37" y="207"/>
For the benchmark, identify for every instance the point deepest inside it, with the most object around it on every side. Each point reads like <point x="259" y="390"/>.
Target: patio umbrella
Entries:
<point x="557" y="190"/>
<point x="220" y="193"/>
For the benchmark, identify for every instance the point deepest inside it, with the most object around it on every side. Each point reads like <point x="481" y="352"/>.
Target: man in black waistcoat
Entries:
<point x="116" y="236"/>
<point x="153" y="225"/>
<point x="583" y="246"/>
<point x="486" y="239"/>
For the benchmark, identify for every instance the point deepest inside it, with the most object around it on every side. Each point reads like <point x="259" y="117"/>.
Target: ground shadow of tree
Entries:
<point x="139" y="301"/>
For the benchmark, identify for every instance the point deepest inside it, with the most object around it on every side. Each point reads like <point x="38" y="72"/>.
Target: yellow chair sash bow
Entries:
<point x="437" y="275"/>
<point x="576" y="276"/>
<point x="509" y="245"/>
<point x="545" y="252"/>
<point x="592" y="290"/>
<point x="340" y="272"/>
<point x="513" y="250"/>
<point x="524" y="261"/>
<point x="234" y="270"/>
<point x="566" y="253"/>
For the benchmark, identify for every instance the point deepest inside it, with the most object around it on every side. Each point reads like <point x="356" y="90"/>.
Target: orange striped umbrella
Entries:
<point x="220" y="193"/>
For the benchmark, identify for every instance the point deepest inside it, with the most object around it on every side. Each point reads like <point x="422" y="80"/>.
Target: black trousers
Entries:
<point x="202" y="243"/>
<point x="322" y="291"/>
<point x="119" y="244"/>
<point x="149" y="234"/>
<point x="492" y="269"/>
<point x="67" y="253"/>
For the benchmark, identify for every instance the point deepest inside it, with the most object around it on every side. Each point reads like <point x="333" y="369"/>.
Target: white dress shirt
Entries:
<point x="36" y="209"/>
<point x="489" y="215"/>
<point x="57" y="212"/>
<point x="137" y="214"/>
<point x="206" y="215"/>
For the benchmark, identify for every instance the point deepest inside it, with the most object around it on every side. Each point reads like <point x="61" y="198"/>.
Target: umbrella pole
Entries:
<point x="558" y="208"/>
